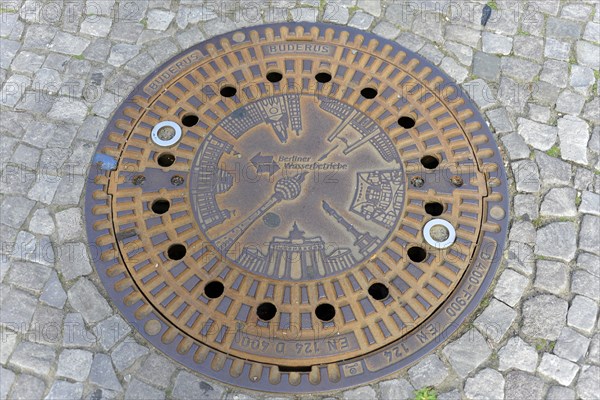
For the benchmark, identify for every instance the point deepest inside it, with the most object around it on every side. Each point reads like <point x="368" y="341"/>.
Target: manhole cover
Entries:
<point x="297" y="207"/>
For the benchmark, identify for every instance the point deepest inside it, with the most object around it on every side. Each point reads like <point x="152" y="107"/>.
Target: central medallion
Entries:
<point x="297" y="187"/>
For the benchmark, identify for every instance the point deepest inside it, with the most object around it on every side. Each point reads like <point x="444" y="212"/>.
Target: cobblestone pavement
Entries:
<point x="533" y="70"/>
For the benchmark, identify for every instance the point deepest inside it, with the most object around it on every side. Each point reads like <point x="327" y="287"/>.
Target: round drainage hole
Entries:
<point x="214" y="289"/>
<point x="430" y="162"/>
<point x="166" y="159"/>
<point x="434" y="208"/>
<point x="266" y="311"/>
<point x="325" y="312"/>
<point x="378" y="291"/>
<point x="228" y="91"/>
<point x="323" y="77"/>
<point x="190" y="120"/>
<point x="274" y="76"/>
<point x="417" y="254"/>
<point x="368" y="93"/>
<point x="160" y="206"/>
<point x="176" y="252"/>
<point x="406" y="122"/>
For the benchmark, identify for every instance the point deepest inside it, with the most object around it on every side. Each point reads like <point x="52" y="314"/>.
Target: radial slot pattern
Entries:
<point x="278" y="243"/>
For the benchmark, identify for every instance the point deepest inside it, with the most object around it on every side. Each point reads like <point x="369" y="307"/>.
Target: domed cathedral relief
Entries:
<point x="297" y="187"/>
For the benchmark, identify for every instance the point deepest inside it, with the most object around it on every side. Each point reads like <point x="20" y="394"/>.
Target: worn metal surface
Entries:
<point x="279" y="244"/>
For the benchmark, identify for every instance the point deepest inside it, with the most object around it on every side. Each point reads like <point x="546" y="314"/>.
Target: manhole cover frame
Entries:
<point x="344" y="373"/>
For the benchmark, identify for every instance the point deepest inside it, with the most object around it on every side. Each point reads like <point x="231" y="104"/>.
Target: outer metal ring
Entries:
<point x="439" y="245"/>
<point x="166" y="143"/>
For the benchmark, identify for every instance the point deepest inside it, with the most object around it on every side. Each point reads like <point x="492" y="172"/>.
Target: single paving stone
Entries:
<point x="189" y="387"/>
<point x="361" y="20"/>
<point x="517" y="354"/>
<point x="84" y="298"/>
<point x="495" y="320"/>
<point x="556" y="73"/>
<point x="9" y="342"/>
<point x="544" y="316"/>
<point x="520" y="69"/>
<point x="592" y="32"/>
<point x="529" y="47"/>
<point x="17" y="309"/>
<point x="576" y="11"/>
<point x="74" y="364"/>
<point x="521" y="258"/>
<point x="592" y="110"/>
<point x="515" y="95"/>
<point x="582" y="282"/>
<point x="69" y="190"/>
<point x="157" y="370"/>
<point x="111" y="330"/>
<point x="500" y="120"/>
<point x="593" y="354"/>
<point x="557" y="49"/>
<point x="582" y="78"/>
<point x="462" y="34"/>
<point x="372" y="7"/>
<point x="430" y="371"/>
<point x="72" y="260"/>
<point x="53" y="293"/>
<point x="558" y="369"/>
<point x="28" y="247"/>
<point x="562" y="28"/>
<point x="552" y="170"/>
<point x="75" y="334"/>
<point x="516" y="147"/>
<point x="526" y="176"/>
<point x="63" y="390"/>
<point x="551" y="276"/>
<point x="510" y="287"/>
<point x="46" y="326"/>
<point x="14" y="88"/>
<point x="467" y="353"/>
<point x="487" y="384"/>
<point x="96" y="26"/>
<point x="386" y="30"/>
<point x="7" y="377"/>
<point x="479" y="91"/>
<point x="68" y="44"/>
<point x="27" y="387"/>
<point x="582" y="314"/>
<point x="9" y="50"/>
<point x="68" y="110"/>
<point x="590" y="263"/>
<point x="559" y="202"/>
<point x="496" y="44"/>
<point x="588" y="54"/>
<point x="121" y="53"/>
<point x="336" y="14"/>
<point x="590" y="203"/>
<point x="522" y="231"/>
<point x="569" y="102"/>
<point x="41" y="222"/>
<point x="399" y="389"/>
<point x="588" y="384"/>
<point x="159" y="19"/>
<point x="126" y="353"/>
<point x="521" y="385"/>
<point x="431" y="52"/>
<point x="34" y="357"/>
<point x="98" y="50"/>
<point x="588" y="235"/>
<point x="452" y="395"/>
<point x="558" y="240"/>
<point x="69" y="224"/>
<point x="539" y="113"/>
<point x="15" y="209"/>
<point x="463" y="53"/>
<point x="102" y="373"/>
<point x="27" y="275"/>
<point x="560" y="393"/>
<point x="361" y="393"/>
<point x="584" y="179"/>
<point x="138" y="390"/>
<point x="486" y="66"/>
<point x="571" y="345"/>
<point x="544" y="92"/>
<point x="539" y="136"/>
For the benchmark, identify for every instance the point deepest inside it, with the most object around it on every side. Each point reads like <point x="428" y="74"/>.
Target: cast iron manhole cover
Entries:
<point x="297" y="207"/>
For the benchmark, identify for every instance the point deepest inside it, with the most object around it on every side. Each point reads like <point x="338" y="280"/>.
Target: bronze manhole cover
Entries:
<point x="297" y="207"/>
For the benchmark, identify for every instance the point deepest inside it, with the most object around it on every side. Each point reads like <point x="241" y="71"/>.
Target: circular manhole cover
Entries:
<point x="297" y="207"/>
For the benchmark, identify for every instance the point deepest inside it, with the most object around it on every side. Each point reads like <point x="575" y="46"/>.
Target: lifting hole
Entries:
<point x="274" y="76"/>
<point x="325" y="312"/>
<point x="430" y="162"/>
<point x="266" y="311"/>
<point x="176" y="252"/>
<point x="417" y="254"/>
<point x="434" y="208"/>
<point x="368" y="93"/>
<point x="190" y="120"/>
<point x="214" y="289"/>
<point x="166" y="159"/>
<point x="228" y="91"/>
<point x="160" y="206"/>
<point x="379" y="291"/>
<point x="323" y="77"/>
<point x="406" y="122"/>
